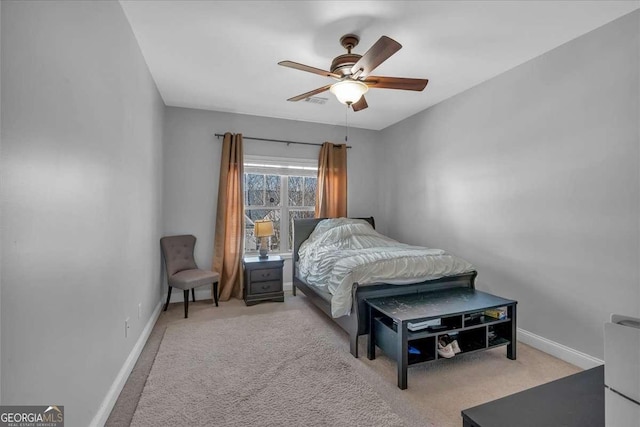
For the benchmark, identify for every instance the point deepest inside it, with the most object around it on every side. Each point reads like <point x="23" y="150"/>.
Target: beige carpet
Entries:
<point x="437" y="391"/>
<point x="275" y="369"/>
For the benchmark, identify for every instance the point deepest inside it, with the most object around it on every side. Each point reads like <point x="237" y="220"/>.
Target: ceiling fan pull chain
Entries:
<point x="346" y="121"/>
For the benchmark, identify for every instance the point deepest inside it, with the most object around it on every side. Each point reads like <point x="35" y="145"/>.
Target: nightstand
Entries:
<point x="262" y="279"/>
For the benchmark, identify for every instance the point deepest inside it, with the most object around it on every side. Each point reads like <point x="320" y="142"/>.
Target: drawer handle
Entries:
<point x="265" y="287"/>
<point x="266" y="274"/>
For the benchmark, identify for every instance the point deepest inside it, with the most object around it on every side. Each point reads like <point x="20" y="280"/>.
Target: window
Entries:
<point x="280" y="190"/>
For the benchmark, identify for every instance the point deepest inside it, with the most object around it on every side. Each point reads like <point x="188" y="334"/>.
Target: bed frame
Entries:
<point x="357" y="323"/>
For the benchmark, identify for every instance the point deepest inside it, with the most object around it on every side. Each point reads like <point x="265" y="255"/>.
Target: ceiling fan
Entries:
<point x="352" y="73"/>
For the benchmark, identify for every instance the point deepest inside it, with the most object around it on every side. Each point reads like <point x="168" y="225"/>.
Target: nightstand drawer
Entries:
<point x="266" y="274"/>
<point x="265" y="287"/>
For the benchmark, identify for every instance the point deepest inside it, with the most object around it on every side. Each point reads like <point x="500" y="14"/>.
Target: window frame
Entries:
<point x="284" y="167"/>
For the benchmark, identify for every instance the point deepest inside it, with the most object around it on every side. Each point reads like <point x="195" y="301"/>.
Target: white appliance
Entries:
<point x="622" y="371"/>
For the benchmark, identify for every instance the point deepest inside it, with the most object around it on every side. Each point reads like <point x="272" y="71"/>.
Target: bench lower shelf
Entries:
<point x="386" y="340"/>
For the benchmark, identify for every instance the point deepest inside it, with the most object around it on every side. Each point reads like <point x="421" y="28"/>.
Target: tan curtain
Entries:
<point x="331" y="200"/>
<point x="228" y="246"/>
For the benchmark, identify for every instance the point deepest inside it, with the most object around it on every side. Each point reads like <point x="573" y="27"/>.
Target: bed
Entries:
<point x="356" y="322"/>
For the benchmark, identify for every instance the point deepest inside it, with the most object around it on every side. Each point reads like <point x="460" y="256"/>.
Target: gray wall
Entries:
<point x="533" y="176"/>
<point x="192" y="167"/>
<point x="81" y="198"/>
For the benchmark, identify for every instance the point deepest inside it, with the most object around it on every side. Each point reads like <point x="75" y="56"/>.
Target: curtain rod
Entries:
<point x="220" y="135"/>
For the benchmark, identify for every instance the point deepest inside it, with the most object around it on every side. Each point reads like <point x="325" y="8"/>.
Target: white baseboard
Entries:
<point x="204" y="292"/>
<point x="114" y="391"/>
<point x="558" y="350"/>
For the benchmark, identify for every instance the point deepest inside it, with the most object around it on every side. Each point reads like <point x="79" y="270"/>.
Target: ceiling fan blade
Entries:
<point x="310" y="93"/>
<point x="376" y="55"/>
<point x="402" y="83"/>
<point x="360" y="105"/>
<point x="308" y="69"/>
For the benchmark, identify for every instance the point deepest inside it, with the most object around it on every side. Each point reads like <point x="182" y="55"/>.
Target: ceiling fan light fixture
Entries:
<point x="349" y="91"/>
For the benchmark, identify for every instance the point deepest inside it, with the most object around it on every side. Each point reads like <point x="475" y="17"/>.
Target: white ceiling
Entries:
<point x="223" y="55"/>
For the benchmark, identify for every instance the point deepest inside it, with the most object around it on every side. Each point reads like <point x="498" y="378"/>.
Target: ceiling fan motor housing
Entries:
<point x="342" y="64"/>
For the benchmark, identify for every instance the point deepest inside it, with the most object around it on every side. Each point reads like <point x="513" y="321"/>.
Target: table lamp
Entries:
<point x="263" y="229"/>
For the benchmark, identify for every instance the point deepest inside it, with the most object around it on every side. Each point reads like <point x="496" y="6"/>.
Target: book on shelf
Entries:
<point x="418" y="326"/>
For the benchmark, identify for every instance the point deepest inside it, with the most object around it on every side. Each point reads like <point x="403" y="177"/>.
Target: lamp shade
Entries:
<point x="349" y="91"/>
<point x="263" y="228"/>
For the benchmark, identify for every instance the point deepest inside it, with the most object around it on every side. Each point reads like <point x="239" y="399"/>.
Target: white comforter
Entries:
<point x="343" y="251"/>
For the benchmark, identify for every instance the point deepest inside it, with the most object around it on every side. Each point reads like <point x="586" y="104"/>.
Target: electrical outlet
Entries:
<point x="139" y="311"/>
<point x="126" y="327"/>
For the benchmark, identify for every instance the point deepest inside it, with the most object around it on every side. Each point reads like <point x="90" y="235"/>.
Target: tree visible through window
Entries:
<point x="280" y="190"/>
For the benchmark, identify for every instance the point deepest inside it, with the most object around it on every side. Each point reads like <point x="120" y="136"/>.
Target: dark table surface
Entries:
<point x="436" y="304"/>
<point x="576" y="400"/>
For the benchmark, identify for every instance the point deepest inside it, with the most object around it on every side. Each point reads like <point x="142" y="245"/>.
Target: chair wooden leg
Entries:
<point x="168" y="298"/>
<point x="215" y="293"/>
<point x="193" y="294"/>
<point x="186" y="303"/>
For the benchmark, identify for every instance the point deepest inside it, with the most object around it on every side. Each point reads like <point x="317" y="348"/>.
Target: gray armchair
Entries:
<point x="182" y="271"/>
